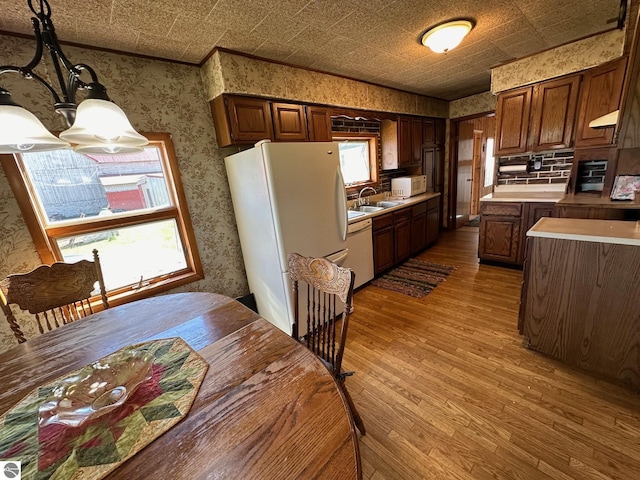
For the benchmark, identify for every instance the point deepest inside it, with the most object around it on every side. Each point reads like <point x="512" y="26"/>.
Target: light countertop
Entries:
<point x="523" y="197"/>
<point x="526" y="193"/>
<point x="601" y="231"/>
<point x="594" y="201"/>
<point x="402" y="202"/>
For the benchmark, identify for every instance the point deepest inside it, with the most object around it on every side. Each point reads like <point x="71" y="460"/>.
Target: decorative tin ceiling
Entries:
<point x="371" y="40"/>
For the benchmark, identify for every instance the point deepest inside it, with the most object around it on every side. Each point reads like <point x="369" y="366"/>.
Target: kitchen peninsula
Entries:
<point x="580" y="295"/>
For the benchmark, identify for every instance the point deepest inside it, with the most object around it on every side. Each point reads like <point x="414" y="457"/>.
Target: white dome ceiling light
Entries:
<point x="446" y="36"/>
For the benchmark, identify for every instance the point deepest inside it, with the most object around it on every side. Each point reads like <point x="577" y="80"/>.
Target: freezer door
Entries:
<point x="308" y="198"/>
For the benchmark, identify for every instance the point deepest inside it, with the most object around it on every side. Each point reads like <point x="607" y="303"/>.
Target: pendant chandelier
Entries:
<point x="96" y="125"/>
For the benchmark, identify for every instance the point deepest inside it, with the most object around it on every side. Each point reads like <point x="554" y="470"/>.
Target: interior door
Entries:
<point x="488" y="167"/>
<point x="477" y="175"/>
<point x="465" y="173"/>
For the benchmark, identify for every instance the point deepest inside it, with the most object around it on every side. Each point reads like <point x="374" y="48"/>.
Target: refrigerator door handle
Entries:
<point x="342" y="204"/>
<point x="338" y="257"/>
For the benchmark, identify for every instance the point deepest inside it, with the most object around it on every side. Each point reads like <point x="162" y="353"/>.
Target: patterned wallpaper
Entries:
<point x="480" y="103"/>
<point x="166" y="97"/>
<point x="573" y="57"/>
<point x="157" y="97"/>
<point x="251" y="76"/>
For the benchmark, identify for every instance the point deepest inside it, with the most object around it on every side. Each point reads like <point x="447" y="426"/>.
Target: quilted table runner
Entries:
<point x="95" y="448"/>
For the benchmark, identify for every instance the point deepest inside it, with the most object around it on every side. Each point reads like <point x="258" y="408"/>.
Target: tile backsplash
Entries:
<point x="535" y="169"/>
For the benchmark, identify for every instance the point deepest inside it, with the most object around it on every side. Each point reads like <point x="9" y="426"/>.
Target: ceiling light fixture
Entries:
<point x="96" y="124"/>
<point x="446" y="36"/>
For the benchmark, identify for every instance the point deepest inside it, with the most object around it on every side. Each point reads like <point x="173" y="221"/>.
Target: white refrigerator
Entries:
<point x="287" y="197"/>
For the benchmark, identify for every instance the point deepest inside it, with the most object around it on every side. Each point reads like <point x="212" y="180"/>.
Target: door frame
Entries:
<point x="453" y="164"/>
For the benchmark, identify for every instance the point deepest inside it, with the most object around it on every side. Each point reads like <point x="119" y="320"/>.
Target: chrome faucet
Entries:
<point x="360" y="200"/>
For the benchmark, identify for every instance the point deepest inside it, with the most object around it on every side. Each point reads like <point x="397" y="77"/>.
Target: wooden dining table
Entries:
<point x="267" y="407"/>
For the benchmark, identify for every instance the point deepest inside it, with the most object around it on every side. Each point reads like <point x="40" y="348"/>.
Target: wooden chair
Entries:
<point x="54" y="295"/>
<point x="326" y="333"/>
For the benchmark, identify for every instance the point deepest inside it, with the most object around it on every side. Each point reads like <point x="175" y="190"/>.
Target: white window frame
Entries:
<point x="374" y="173"/>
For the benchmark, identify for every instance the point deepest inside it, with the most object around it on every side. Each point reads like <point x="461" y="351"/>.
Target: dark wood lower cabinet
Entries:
<point x="532" y="212"/>
<point x="434" y="212"/>
<point x="383" y="243"/>
<point x="400" y="234"/>
<point x="499" y="238"/>
<point x="594" y="213"/>
<point x="503" y="228"/>
<point x="418" y="227"/>
<point x="402" y="229"/>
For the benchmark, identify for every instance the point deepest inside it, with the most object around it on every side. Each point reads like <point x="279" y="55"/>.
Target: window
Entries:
<point x="489" y="164"/>
<point x="358" y="158"/>
<point x="130" y="207"/>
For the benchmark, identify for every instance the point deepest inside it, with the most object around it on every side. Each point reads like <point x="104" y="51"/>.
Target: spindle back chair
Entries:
<point x="53" y="294"/>
<point x="326" y="329"/>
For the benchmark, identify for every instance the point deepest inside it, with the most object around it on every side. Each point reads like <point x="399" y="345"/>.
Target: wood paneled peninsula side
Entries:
<point x="580" y="298"/>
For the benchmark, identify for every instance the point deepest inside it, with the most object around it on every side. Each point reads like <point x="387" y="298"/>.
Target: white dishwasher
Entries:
<point x="360" y="256"/>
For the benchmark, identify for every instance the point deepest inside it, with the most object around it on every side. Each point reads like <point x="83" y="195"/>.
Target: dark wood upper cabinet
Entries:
<point x="249" y="119"/>
<point x="512" y="121"/>
<point x="319" y="124"/>
<point x="428" y="132"/>
<point x="416" y="141"/>
<point x="441" y="130"/>
<point x="600" y="94"/>
<point x="289" y="122"/>
<point x="433" y="131"/>
<point x="241" y="120"/>
<point x="411" y="139"/>
<point x="554" y="113"/>
<point x="537" y="118"/>
<point x="405" y="146"/>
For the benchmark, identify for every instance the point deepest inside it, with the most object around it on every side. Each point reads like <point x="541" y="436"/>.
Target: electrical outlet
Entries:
<point x="537" y="163"/>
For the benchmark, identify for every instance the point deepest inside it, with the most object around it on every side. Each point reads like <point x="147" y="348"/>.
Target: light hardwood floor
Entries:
<point x="447" y="391"/>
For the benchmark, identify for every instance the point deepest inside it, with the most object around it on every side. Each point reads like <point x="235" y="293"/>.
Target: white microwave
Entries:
<point x="405" y="187"/>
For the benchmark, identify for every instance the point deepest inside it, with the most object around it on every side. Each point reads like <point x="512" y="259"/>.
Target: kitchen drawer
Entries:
<point x="499" y="208"/>
<point x="433" y="203"/>
<point x="419" y="209"/>
<point x="403" y="215"/>
<point x="382" y="221"/>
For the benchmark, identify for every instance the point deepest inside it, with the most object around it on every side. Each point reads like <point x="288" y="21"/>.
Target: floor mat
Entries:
<point x="415" y="278"/>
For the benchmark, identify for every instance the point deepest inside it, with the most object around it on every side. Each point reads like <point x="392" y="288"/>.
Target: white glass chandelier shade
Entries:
<point x="108" y="149"/>
<point x="102" y="127"/>
<point x="21" y="131"/>
<point x="447" y="36"/>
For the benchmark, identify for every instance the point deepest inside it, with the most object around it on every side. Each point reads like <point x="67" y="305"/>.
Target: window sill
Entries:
<point x="132" y="294"/>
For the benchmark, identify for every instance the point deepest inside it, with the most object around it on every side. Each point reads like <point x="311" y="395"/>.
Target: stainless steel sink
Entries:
<point x="368" y="208"/>
<point x="353" y="214"/>
<point x="386" y="204"/>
